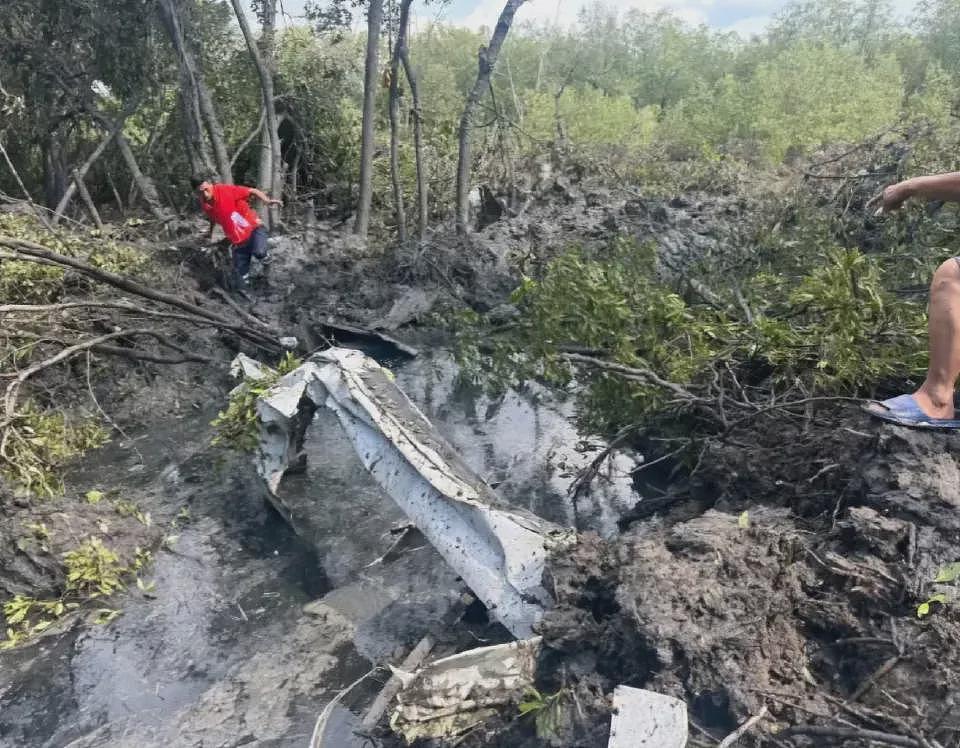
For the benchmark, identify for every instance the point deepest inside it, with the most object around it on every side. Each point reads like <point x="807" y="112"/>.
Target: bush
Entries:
<point x="830" y="329"/>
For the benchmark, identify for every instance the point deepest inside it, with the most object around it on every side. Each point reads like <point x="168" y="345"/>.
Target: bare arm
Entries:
<point x="264" y="197"/>
<point x="936" y="187"/>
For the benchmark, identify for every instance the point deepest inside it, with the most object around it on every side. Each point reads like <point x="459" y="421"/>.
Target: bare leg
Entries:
<point x="935" y="396"/>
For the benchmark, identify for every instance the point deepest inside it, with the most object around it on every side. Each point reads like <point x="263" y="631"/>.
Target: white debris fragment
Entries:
<point x="450" y="696"/>
<point x="248" y="368"/>
<point x="644" y="718"/>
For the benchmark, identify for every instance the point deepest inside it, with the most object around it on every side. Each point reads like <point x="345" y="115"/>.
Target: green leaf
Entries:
<point x="949" y="572"/>
<point x="744" y="520"/>
<point x="94" y="497"/>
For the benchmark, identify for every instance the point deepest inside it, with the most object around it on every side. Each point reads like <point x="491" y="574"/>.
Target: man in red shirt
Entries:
<point x="228" y="206"/>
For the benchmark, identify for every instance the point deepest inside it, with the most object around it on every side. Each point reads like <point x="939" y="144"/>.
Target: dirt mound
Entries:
<point x="811" y="615"/>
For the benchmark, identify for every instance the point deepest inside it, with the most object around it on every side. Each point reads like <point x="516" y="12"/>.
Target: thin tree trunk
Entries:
<point x="248" y="140"/>
<point x="401" y="214"/>
<point x="87" y="200"/>
<point x="54" y="171"/>
<point x="198" y="154"/>
<point x="23" y="188"/>
<point x="270" y="138"/>
<point x="292" y="186"/>
<point x="82" y="171"/>
<point x="146" y="186"/>
<point x="215" y="130"/>
<point x="370" y="82"/>
<point x="116" y="194"/>
<point x="487" y="61"/>
<point x="195" y="100"/>
<point x="423" y="197"/>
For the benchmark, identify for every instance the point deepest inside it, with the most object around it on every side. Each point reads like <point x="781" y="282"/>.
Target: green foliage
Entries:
<point x="26" y="616"/>
<point x="237" y="426"/>
<point x="127" y="508"/>
<point x="947" y="575"/>
<point x="829" y="328"/>
<point x="24" y="282"/>
<point x="93" y="570"/>
<point x="589" y="119"/>
<point x="41" y="443"/>
<point x="547" y="710"/>
<point x="806" y="96"/>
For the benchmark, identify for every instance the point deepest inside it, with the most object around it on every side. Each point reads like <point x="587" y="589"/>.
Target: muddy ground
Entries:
<point x="784" y="579"/>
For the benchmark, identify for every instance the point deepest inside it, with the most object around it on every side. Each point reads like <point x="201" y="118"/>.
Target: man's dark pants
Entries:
<point x="255" y="246"/>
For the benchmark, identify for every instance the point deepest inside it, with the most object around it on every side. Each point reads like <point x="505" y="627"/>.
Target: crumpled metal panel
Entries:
<point x="499" y="550"/>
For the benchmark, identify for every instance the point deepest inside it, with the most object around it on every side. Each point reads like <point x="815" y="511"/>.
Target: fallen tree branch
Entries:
<point x="11" y="393"/>
<point x="133" y="308"/>
<point x="634" y="373"/>
<point x="28" y="250"/>
<point x="581" y="484"/>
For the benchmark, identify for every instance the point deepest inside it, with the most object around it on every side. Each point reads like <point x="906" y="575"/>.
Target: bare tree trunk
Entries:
<point x="146" y="186"/>
<point x="82" y="171"/>
<point x="54" y="170"/>
<point x="248" y="140"/>
<point x="87" y="200"/>
<point x="195" y="100"/>
<point x="116" y="195"/>
<point x="198" y="153"/>
<point x="423" y="198"/>
<point x="23" y="188"/>
<point x="374" y="21"/>
<point x="394" y="121"/>
<point x="292" y="185"/>
<point x="487" y="60"/>
<point x="215" y="130"/>
<point x="270" y="138"/>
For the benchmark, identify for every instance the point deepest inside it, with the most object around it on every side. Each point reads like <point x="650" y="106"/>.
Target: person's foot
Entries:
<point x="904" y="410"/>
<point x="935" y="406"/>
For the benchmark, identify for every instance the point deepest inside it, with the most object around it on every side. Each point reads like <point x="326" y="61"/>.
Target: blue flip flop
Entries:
<point x="905" y="411"/>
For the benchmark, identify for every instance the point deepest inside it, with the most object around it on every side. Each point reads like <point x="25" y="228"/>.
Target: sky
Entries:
<point x="743" y="16"/>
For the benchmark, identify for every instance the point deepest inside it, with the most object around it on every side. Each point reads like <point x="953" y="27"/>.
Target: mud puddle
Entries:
<point x="255" y="623"/>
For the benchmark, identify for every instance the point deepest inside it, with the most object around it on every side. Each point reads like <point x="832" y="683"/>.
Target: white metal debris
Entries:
<point x="645" y="718"/>
<point x="499" y="550"/>
<point x="450" y="696"/>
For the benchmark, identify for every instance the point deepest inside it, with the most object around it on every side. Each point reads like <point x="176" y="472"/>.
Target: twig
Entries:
<point x="791" y="404"/>
<point x="316" y="740"/>
<point x="885" y="668"/>
<point x="581" y="484"/>
<point x="107" y="418"/>
<point x="851" y="732"/>
<point x="734" y="736"/>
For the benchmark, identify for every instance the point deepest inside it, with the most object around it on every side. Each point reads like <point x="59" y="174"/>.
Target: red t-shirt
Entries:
<point x="230" y="208"/>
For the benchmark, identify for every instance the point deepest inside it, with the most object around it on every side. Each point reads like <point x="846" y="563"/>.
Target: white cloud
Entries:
<point x="750" y="26"/>
<point x="566" y="12"/>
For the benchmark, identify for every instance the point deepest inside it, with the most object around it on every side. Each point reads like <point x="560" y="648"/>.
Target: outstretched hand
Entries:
<point x="890" y="199"/>
<point x="278" y="203"/>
